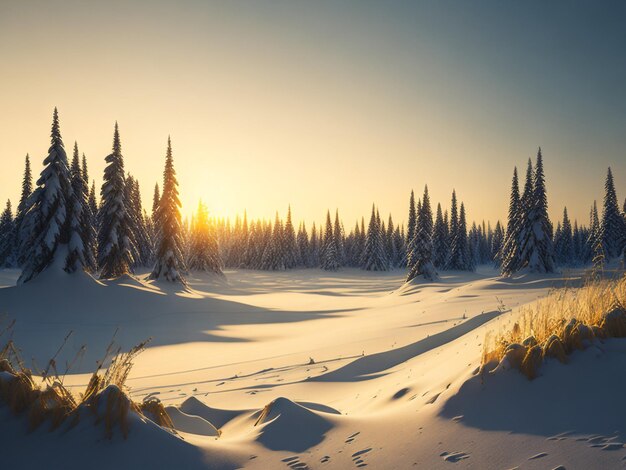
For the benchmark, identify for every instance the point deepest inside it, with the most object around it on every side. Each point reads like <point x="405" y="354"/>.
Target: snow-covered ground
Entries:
<point x="359" y="370"/>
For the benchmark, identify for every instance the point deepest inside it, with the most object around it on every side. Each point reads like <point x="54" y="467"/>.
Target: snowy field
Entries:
<point x="365" y="372"/>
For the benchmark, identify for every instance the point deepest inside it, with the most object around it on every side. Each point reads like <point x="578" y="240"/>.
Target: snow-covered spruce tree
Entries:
<point x="140" y="224"/>
<point x="440" y="241"/>
<point x="411" y="227"/>
<point x="536" y="249"/>
<point x="290" y="245"/>
<point x="79" y="258"/>
<point x="170" y="264"/>
<point x="339" y="240"/>
<point x="90" y="224"/>
<point x="564" y="242"/>
<point x="390" y="247"/>
<point x="612" y="226"/>
<point x="7" y="237"/>
<point x="594" y="241"/>
<point x="509" y="255"/>
<point x="114" y="239"/>
<point x="204" y="253"/>
<point x="134" y="222"/>
<point x="473" y="241"/>
<point x="497" y="242"/>
<point x="302" y="241"/>
<point x="399" y="246"/>
<point x="314" y="248"/>
<point x="22" y="208"/>
<point x="329" y="256"/>
<point x="420" y="261"/>
<point x="46" y="225"/>
<point x="462" y="242"/>
<point x="452" y="261"/>
<point x="274" y="256"/>
<point x="374" y="256"/>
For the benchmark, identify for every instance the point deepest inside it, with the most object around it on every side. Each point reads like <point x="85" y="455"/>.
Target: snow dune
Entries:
<point x="308" y="369"/>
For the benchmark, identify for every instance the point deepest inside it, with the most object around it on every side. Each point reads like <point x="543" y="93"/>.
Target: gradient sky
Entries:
<point x="323" y="104"/>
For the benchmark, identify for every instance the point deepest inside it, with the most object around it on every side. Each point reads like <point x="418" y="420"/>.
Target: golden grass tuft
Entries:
<point x="51" y="402"/>
<point x="564" y="321"/>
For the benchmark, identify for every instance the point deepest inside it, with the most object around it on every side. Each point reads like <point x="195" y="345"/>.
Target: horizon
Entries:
<point x="360" y="106"/>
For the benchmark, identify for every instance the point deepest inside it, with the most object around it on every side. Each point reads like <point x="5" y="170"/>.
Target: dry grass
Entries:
<point x="46" y="400"/>
<point x="564" y="321"/>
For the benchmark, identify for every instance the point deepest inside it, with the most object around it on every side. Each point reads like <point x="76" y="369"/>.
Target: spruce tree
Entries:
<point x="420" y="260"/>
<point x="304" y="248"/>
<point x="329" y="256"/>
<point x="466" y="262"/>
<point x="114" y="239"/>
<point x="497" y="242"/>
<point x="374" y="256"/>
<point x="290" y="244"/>
<point x="452" y="262"/>
<point x="46" y="224"/>
<point x="612" y="226"/>
<point x="204" y="252"/>
<point x="339" y="240"/>
<point x="7" y="237"/>
<point x="594" y="241"/>
<point x="170" y="263"/>
<point x="273" y="255"/>
<point x="390" y="245"/>
<point x="314" y="248"/>
<point x="565" y="251"/>
<point x="509" y="255"/>
<point x="536" y="249"/>
<point x="411" y="227"/>
<point x="78" y="256"/>
<point x="22" y="209"/>
<point x="440" y="241"/>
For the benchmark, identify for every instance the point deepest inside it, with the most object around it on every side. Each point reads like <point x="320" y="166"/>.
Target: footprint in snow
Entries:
<point x="538" y="456"/>
<point x="352" y="437"/>
<point x="357" y="457"/>
<point x="325" y="459"/>
<point x="295" y="463"/>
<point x="454" y="456"/>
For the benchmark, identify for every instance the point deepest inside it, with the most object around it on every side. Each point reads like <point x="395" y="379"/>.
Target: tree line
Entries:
<point x="60" y="219"/>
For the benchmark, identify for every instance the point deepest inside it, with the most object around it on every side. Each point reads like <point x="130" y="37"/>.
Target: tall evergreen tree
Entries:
<point x="170" y="263"/>
<point x="564" y="244"/>
<point x="497" y="243"/>
<point x="314" y="248"/>
<point x="329" y="256"/>
<point x="420" y="261"/>
<point x="273" y="255"/>
<point x="510" y="253"/>
<point x="452" y="262"/>
<point x="204" y="252"/>
<point x="114" y="239"/>
<point x="612" y="225"/>
<point x="290" y="245"/>
<point x="46" y="224"/>
<point x="536" y="249"/>
<point x="79" y="258"/>
<point x="440" y="241"/>
<point x="22" y="208"/>
<point x="304" y="248"/>
<point x="7" y="237"/>
<point x="339" y="240"/>
<point x="374" y="256"/>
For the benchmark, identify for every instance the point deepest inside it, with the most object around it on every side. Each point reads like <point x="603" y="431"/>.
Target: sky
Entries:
<point x="322" y="104"/>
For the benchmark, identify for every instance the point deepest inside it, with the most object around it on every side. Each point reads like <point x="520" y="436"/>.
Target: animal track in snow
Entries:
<point x="454" y="456"/>
<point x="357" y="457"/>
<point x="295" y="463"/>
